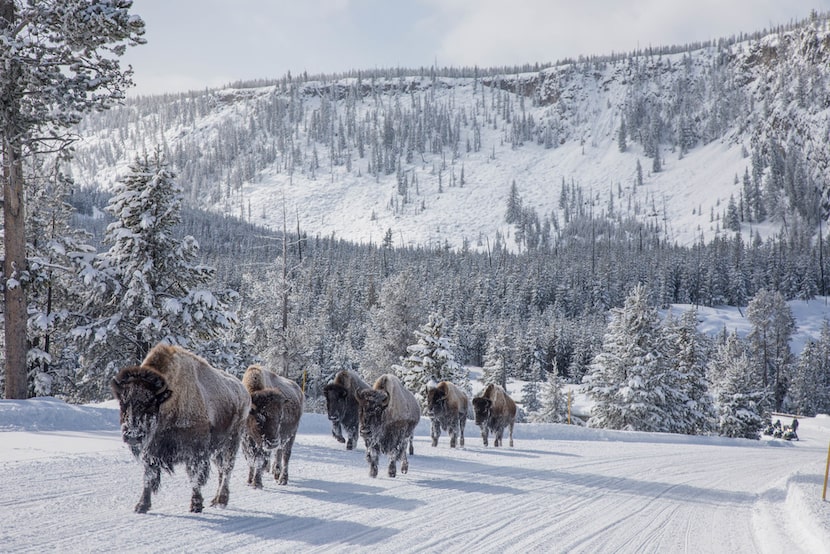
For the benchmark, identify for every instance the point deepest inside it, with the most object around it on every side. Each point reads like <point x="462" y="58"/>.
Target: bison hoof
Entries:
<point x="141" y="508"/>
<point x="349" y="445"/>
<point x="373" y="471"/>
<point x="196" y="507"/>
<point x="339" y="438"/>
<point x="392" y="472"/>
<point x="282" y="481"/>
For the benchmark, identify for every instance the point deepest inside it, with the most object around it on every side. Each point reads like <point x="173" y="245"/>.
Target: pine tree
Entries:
<point x="59" y="60"/>
<point x="772" y="327"/>
<point x="431" y="360"/>
<point x="148" y="287"/>
<point x="58" y="256"/>
<point x="498" y="354"/>
<point x="625" y="379"/>
<point x="691" y="403"/>
<point x="621" y="144"/>
<point x="739" y="399"/>
<point x="554" y="404"/>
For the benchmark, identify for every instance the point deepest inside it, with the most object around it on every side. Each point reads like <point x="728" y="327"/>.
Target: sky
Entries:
<point x="194" y="44"/>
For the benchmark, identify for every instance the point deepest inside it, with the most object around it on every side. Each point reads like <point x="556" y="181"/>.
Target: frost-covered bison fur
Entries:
<point x="388" y="416"/>
<point x="447" y="405"/>
<point x="342" y="407"/>
<point x="494" y="410"/>
<point x="276" y="408"/>
<point x="177" y="409"/>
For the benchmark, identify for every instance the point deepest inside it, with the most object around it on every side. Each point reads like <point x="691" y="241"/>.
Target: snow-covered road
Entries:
<point x="70" y="487"/>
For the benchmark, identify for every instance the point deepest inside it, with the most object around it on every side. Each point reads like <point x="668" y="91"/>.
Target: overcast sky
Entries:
<point x="193" y="44"/>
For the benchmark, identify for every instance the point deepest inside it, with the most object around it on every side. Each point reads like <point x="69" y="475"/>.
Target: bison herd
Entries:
<point x="175" y="408"/>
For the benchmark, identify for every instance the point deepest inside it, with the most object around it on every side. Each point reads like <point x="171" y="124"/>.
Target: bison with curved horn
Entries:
<point x="494" y="410"/>
<point x="388" y="416"/>
<point x="447" y="406"/>
<point x="177" y="409"/>
<point x="342" y="407"/>
<point x="276" y="408"/>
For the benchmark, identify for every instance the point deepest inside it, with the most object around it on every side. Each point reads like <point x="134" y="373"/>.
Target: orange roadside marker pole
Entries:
<point x="826" y="471"/>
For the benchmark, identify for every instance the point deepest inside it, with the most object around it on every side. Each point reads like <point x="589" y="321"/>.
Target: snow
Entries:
<point x="70" y="484"/>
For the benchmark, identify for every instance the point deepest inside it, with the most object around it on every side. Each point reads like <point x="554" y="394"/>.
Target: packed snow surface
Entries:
<point x="69" y="485"/>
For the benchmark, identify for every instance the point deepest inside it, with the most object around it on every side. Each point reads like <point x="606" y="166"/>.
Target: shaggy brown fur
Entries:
<point x="388" y="416"/>
<point x="277" y="405"/>
<point x="177" y="409"/>
<point x="494" y="410"/>
<point x="342" y="407"/>
<point x="447" y="405"/>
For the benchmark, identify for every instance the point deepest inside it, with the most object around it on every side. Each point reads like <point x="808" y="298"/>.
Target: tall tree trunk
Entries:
<point x="14" y="234"/>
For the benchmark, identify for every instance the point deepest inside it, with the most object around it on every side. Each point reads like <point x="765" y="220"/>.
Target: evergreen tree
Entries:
<point x="691" y="403"/>
<point x="621" y="144"/>
<point x="554" y="404"/>
<point x="58" y="256"/>
<point x="431" y="360"/>
<point x="772" y="327"/>
<point x="391" y="324"/>
<point x="147" y="287"/>
<point x="625" y="379"/>
<point x="59" y="60"/>
<point x="498" y="354"/>
<point x="739" y="399"/>
<point x="514" y="205"/>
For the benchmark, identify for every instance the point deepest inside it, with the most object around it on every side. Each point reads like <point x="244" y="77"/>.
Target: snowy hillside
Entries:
<point x="69" y="485"/>
<point x="432" y="158"/>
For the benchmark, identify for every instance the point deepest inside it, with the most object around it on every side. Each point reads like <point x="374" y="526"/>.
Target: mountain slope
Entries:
<point x="432" y="157"/>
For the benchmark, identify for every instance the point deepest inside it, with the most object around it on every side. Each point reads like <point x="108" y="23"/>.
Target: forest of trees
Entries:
<point x="577" y="302"/>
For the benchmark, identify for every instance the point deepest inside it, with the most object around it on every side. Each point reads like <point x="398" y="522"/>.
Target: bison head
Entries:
<point x="436" y="401"/>
<point x="266" y="415"/>
<point x="337" y="401"/>
<point x="372" y="405"/>
<point x="140" y="392"/>
<point x="482" y="407"/>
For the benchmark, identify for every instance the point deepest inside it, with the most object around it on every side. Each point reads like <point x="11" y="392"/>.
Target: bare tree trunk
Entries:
<point x="14" y="232"/>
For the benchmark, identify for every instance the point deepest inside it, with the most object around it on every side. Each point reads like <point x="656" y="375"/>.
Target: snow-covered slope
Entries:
<point x="318" y="146"/>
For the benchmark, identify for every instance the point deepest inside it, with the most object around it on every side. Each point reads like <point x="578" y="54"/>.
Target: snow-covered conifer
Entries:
<point x="148" y="286"/>
<point x="740" y="399"/>
<point x="625" y="378"/>
<point x="431" y="359"/>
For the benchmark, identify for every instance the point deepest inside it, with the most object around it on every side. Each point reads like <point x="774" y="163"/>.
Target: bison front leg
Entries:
<point x="484" y="433"/>
<point x="461" y="423"/>
<point x="435" y="432"/>
<point x="352" y="440"/>
<point x="498" y="433"/>
<point x="337" y="432"/>
<point x="152" y="480"/>
<point x="372" y="456"/>
<point x="256" y="466"/>
<point x="198" y="471"/>
<point x="224" y="461"/>
<point x="511" y="434"/>
<point x="281" y="463"/>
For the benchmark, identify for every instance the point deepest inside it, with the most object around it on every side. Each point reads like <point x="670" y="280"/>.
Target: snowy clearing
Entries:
<point x="70" y="485"/>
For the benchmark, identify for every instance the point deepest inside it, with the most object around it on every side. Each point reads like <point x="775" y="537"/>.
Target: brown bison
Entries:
<point x="447" y="406"/>
<point x="276" y="408"/>
<point x="342" y="406"/>
<point x="388" y="416"/>
<point x="494" y="411"/>
<point x="177" y="409"/>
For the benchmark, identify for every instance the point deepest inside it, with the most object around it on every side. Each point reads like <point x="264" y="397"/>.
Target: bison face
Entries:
<point x="482" y="406"/>
<point x="436" y="402"/>
<point x="337" y="401"/>
<point x="265" y="417"/>
<point x="372" y="405"/>
<point x="140" y="393"/>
